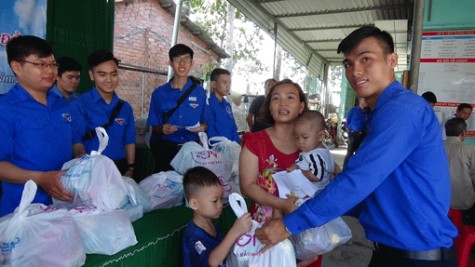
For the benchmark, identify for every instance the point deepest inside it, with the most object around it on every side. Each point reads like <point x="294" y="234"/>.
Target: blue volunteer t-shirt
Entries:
<point x="192" y="110"/>
<point x="198" y="244"/>
<point x="90" y="111"/>
<point x="221" y="120"/>
<point x="399" y="178"/>
<point x="35" y="137"/>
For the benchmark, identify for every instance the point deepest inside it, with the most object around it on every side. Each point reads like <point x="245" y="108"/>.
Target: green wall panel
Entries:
<point x="76" y="28"/>
<point x="449" y="14"/>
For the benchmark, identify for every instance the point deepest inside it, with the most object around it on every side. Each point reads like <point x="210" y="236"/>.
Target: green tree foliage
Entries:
<point x="239" y="37"/>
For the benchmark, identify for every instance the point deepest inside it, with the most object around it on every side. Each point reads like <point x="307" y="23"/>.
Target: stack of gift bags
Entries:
<point x="218" y="154"/>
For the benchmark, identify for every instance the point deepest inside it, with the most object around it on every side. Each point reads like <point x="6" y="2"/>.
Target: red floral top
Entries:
<point x="271" y="161"/>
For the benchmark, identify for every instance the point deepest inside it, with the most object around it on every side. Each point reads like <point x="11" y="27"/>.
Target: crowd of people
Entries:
<point x="396" y="178"/>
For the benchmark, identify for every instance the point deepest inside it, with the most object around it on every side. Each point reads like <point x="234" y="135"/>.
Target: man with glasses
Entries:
<point x="35" y="124"/>
<point x="172" y="127"/>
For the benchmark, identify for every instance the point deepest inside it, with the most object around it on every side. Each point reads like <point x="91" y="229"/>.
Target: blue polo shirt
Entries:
<point x="192" y="110"/>
<point x="400" y="178"/>
<point x="198" y="245"/>
<point x="56" y="90"/>
<point x="90" y="111"/>
<point x="221" y="120"/>
<point x="34" y="137"/>
<point x="357" y="120"/>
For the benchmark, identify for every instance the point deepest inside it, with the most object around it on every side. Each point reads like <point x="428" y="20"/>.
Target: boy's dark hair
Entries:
<point x="313" y="116"/>
<point x="67" y="64"/>
<point x="218" y="71"/>
<point x="429" y="97"/>
<point x="463" y="106"/>
<point x="351" y="41"/>
<point x="99" y="56"/>
<point x="21" y="47"/>
<point x="196" y="178"/>
<point x="455" y="127"/>
<point x="180" y="50"/>
<point x="264" y="113"/>
<point x="270" y="79"/>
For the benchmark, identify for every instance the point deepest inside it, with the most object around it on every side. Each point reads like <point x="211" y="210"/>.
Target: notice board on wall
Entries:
<point x="447" y="68"/>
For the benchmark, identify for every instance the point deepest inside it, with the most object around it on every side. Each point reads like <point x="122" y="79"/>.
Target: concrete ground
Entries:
<point x="356" y="252"/>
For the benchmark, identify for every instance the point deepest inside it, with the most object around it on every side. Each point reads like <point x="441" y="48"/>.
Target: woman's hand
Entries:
<point x="289" y="204"/>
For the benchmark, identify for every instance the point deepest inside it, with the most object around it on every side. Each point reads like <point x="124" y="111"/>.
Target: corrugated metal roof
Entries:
<point x="312" y="29"/>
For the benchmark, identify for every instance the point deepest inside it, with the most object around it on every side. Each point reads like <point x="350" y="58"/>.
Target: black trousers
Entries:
<point x="394" y="258"/>
<point x="121" y="165"/>
<point x="163" y="152"/>
<point x="354" y="141"/>
<point x="469" y="216"/>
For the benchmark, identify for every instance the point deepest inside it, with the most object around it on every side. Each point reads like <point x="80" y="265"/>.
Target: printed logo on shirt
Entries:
<point x="192" y="98"/>
<point x="194" y="105"/>
<point x="66" y="116"/>
<point x="199" y="247"/>
<point x="120" y="121"/>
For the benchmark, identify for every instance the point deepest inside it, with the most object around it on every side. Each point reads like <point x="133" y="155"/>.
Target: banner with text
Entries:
<point x="18" y="17"/>
<point x="447" y="68"/>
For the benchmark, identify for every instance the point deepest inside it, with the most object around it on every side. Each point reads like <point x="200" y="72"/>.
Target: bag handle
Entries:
<point x="218" y="140"/>
<point x="237" y="204"/>
<point x="103" y="141"/>
<point x="204" y="140"/>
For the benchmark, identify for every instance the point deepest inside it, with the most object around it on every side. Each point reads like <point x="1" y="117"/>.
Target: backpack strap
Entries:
<point x="92" y="133"/>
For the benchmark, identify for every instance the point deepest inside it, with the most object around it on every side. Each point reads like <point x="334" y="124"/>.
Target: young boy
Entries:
<point x="203" y="244"/>
<point x="169" y="131"/>
<point x="100" y="106"/>
<point x="221" y="120"/>
<point x="315" y="160"/>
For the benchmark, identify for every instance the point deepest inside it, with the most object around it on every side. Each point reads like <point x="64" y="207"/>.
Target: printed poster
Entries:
<point x="18" y="17"/>
<point x="447" y="68"/>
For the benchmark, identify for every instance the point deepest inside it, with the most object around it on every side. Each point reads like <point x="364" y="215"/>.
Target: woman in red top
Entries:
<point x="271" y="150"/>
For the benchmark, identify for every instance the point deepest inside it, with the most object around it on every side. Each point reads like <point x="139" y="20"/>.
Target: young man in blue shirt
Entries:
<point x="35" y="125"/>
<point x="95" y="107"/>
<point x="398" y="181"/>
<point x="189" y="118"/>
<point x="69" y="72"/>
<point x="221" y="120"/>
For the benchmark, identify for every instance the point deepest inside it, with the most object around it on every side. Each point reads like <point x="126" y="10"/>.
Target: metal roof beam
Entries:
<point x="335" y="27"/>
<point x="340" y="11"/>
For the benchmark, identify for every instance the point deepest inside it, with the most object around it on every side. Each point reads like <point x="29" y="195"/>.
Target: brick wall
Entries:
<point x="142" y="37"/>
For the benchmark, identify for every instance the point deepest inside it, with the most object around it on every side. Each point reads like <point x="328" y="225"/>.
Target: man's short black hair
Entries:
<point x="196" y="178"/>
<point x="100" y="56"/>
<point x="463" y="106"/>
<point x="455" y="127"/>
<point x="180" y="50"/>
<point x="218" y="71"/>
<point x="353" y="39"/>
<point x="21" y="47"/>
<point x="67" y="64"/>
<point x="430" y="97"/>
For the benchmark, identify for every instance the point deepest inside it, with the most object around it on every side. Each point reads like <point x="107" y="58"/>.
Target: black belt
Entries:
<point x="426" y="255"/>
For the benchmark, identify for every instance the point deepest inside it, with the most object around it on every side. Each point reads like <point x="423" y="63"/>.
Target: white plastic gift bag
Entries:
<point x="38" y="235"/>
<point x="94" y="180"/>
<point x="245" y="252"/>
<point x="164" y="189"/>
<point x="317" y="241"/>
<point x="193" y="155"/>
<point x="231" y="150"/>
<point x="138" y="202"/>
<point x="104" y="232"/>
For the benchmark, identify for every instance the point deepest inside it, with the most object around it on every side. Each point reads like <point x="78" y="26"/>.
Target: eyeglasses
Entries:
<point x="182" y="59"/>
<point x="42" y="65"/>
